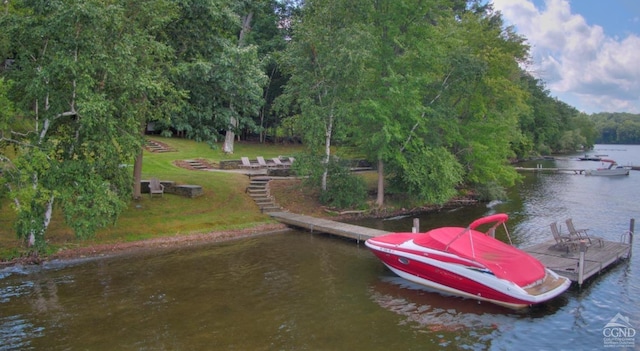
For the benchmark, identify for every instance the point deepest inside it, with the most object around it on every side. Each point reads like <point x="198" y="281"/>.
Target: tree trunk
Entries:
<point x="246" y="27"/>
<point x="137" y="176"/>
<point x="264" y="107"/>
<point x="327" y="152"/>
<point x="380" y="198"/>
<point x="137" y="167"/>
<point x="229" y="137"/>
<point x="233" y="125"/>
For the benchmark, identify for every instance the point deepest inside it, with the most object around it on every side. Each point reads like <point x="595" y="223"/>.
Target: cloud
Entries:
<point x="580" y="64"/>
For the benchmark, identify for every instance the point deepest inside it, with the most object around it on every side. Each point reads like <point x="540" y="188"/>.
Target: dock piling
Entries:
<point x="416" y="225"/>
<point x="632" y="225"/>
<point x="583" y="250"/>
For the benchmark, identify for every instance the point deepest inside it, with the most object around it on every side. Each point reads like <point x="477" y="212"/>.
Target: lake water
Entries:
<point x="299" y="291"/>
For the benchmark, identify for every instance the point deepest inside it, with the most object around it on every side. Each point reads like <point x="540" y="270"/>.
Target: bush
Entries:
<point x="491" y="191"/>
<point x="344" y="190"/>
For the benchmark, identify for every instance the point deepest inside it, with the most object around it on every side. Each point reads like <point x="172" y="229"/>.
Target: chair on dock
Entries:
<point x="566" y="242"/>
<point x="582" y="233"/>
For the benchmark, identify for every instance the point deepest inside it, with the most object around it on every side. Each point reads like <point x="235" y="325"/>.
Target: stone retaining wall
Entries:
<point x="170" y="187"/>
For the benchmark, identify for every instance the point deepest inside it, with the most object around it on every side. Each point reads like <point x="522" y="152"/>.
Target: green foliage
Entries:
<point x="89" y="75"/>
<point x="6" y="106"/>
<point x="427" y="175"/>
<point x="433" y="90"/>
<point x="344" y="189"/>
<point x="490" y="191"/>
<point x="223" y="77"/>
<point x="552" y="125"/>
<point x="616" y="128"/>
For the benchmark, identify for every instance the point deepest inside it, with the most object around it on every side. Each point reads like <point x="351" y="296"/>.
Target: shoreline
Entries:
<point x="133" y="247"/>
<point x="186" y="240"/>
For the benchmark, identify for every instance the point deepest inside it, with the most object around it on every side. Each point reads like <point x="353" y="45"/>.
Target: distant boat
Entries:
<point x="613" y="170"/>
<point x="589" y="158"/>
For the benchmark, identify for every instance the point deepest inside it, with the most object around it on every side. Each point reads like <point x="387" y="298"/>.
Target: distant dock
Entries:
<point x="541" y="169"/>
<point x="551" y="170"/>
<point x="596" y="258"/>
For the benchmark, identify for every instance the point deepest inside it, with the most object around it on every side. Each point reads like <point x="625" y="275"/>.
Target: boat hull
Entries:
<point x="458" y="276"/>
<point x="608" y="172"/>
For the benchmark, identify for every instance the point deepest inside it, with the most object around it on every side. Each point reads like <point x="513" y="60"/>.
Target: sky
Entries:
<point x="586" y="51"/>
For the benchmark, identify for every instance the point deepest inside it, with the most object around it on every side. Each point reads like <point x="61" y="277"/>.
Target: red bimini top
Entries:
<point x="505" y="261"/>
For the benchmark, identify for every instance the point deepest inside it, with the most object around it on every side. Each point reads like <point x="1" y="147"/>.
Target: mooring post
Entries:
<point x="583" y="250"/>
<point x="632" y="224"/>
<point x="416" y="225"/>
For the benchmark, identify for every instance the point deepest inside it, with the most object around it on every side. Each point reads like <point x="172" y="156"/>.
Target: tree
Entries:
<point x="405" y="79"/>
<point x="86" y="74"/>
<point x="433" y="97"/>
<point x="325" y="62"/>
<point x="616" y="128"/>
<point x="222" y="75"/>
<point x="436" y="112"/>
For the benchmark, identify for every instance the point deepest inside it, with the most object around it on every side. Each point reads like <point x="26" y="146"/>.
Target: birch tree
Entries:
<point x="325" y="61"/>
<point x="86" y="75"/>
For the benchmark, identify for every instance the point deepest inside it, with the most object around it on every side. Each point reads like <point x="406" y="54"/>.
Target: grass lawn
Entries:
<point x="224" y="205"/>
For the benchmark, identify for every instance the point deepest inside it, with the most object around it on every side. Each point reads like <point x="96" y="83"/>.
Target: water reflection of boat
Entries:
<point x="613" y="170"/>
<point x="469" y="263"/>
<point x="435" y="311"/>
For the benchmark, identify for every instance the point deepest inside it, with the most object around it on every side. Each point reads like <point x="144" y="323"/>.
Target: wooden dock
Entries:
<point x="596" y="258"/>
<point x="551" y="170"/>
<point x="327" y="226"/>
<point x="561" y="170"/>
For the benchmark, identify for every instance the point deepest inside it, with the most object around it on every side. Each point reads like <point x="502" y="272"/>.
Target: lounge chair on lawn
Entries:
<point x="280" y="164"/>
<point x="262" y="162"/>
<point x="247" y="164"/>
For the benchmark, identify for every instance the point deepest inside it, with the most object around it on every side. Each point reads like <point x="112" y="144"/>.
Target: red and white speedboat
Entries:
<point x="469" y="263"/>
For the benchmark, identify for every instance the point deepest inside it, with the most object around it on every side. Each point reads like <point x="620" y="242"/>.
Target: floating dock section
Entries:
<point x="595" y="259"/>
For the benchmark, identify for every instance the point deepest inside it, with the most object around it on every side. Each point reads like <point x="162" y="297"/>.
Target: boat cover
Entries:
<point x="505" y="261"/>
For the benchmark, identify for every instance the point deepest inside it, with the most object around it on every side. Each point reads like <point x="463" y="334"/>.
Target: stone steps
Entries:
<point x="258" y="189"/>
<point x="154" y="146"/>
<point x="195" y="164"/>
